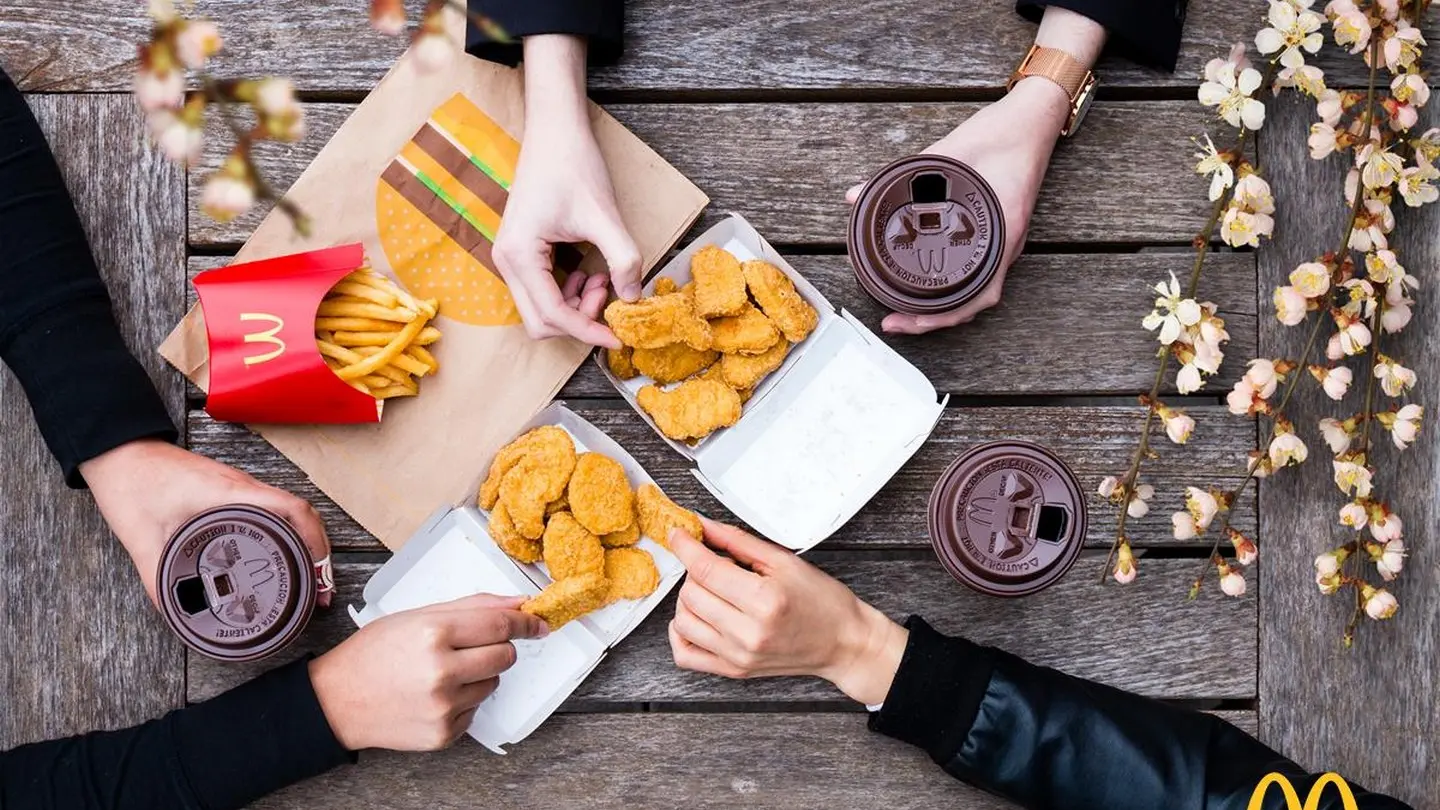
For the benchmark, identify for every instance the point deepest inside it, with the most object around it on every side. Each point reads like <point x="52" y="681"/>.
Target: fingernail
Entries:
<point x="324" y="598"/>
<point x="630" y="292"/>
<point x="544" y="630"/>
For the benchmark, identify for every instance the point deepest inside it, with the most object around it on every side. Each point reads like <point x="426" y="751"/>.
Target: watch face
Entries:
<point x="1082" y="106"/>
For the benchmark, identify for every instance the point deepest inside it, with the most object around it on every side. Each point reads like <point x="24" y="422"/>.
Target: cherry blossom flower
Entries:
<point x="1330" y="106"/>
<point x="1242" y="399"/>
<point x="1390" y="559"/>
<point x="1232" y="582"/>
<point x="1375" y="221"/>
<point x="1327" y="583"/>
<point x="1330" y="562"/>
<point x="1321" y="140"/>
<point x="196" y="42"/>
<point x="1287" y="449"/>
<point x="388" y="16"/>
<point x="1338" y="435"/>
<point x="1259" y="464"/>
<point x="1350" y="25"/>
<point x="1245" y="550"/>
<point x="229" y="192"/>
<point x="1253" y="193"/>
<point x="1291" y="305"/>
<point x="1410" y="88"/>
<point x="1379" y="168"/>
<point x="1415" y="183"/>
<point x="1394" y="378"/>
<point x="1179" y="312"/>
<point x="159" y="90"/>
<point x="1354" y="334"/>
<point x="1354" y="515"/>
<point x="1379" y="603"/>
<point x="1202" y="507"/>
<point x="1188" y="379"/>
<point x="1404" y="427"/>
<point x="1395" y="316"/>
<point x="1335" y="380"/>
<point x="1382" y="265"/>
<point x="1359" y="299"/>
<point x="1385" y="525"/>
<point x="1241" y="228"/>
<point x="1230" y="91"/>
<point x="1352" y="476"/>
<point x="178" y="139"/>
<point x="1216" y="167"/>
<point x="1125" y="571"/>
<point x="1185" y="528"/>
<point x="1428" y="144"/>
<point x="1138" y="506"/>
<point x="1308" y="79"/>
<point x="1291" y="29"/>
<point x="1108" y="486"/>
<point x="1402" y="49"/>
<point x="1263" y="376"/>
<point x="1178" y="425"/>
<point x="1311" y="279"/>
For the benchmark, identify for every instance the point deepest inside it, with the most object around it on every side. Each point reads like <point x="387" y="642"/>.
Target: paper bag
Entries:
<point x="418" y="175"/>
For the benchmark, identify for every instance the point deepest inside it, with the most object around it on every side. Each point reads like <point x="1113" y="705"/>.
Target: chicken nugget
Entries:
<point x="546" y="440"/>
<point x="502" y="531"/>
<point x="522" y="493"/>
<point x="628" y="536"/>
<point x="561" y="504"/>
<point x="744" y="371"/>
<point x="659" y="514"/>
<point x="570" y="551"/>
<point x="659" y="320"/>
<point x="630" y="573"/>
<point x="620" y="363"/>
<point x="693" y="409"/>
<point x="600" y="495"/>
<point x="565" y="600"/>
<point x="719" y="282"/>
<point x="748" y="332"/>
<point x="779" y="300"/>
<point x="665" y="285"/>
<point x="714" y="373"/>
<point x="674" y="363"/>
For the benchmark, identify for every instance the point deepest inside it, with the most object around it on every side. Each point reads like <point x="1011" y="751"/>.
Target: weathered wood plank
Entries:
<point x="1145" y="638"/>
<point x="706" y="762"/>
<point x="83" y="648"/>
<point x="1128" y="176"/>
<point x="1316" y="703"/>
<point x="745" y="45"/>
<point x="1069" y="324"/>
<point x="1095" y="441"/>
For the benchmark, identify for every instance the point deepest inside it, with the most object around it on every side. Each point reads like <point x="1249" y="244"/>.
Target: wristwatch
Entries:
<point x="1065" y="70"/>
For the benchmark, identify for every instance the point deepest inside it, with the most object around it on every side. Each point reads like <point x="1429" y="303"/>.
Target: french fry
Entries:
<point x="384" y="356"/>
<point x="423" y="355"/>
<point x="357" y="325"/>
<point x="393" y="391"/>
<point x="349" y="357"/>
<point x="401" y="361"/>
<point x="427" y="336"/>
<point x="353" y="339"/>
<point x="349" y="309"/>
<point x="366" y="292"/>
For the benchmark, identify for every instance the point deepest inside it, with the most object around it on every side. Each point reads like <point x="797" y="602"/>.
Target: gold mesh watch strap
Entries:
<point x="1055" y="65"/>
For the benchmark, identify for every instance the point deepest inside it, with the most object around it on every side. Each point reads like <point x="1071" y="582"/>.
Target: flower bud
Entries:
<point x="1245" y="550"/>
<point x="1327" y="583"/>
<point x="229" y="192"/>
<point x="1329" y="563"/>
<point x="1125" y="571"/>
<point x="197" y="41"/>
<point x="1379" y="603"/>
<point x="1389" y="559"/>
<point x="1232" y="582"/>
<point x="1353" y="514"/>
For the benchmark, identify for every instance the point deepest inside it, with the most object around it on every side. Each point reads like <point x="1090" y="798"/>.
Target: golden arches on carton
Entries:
<point x="1292" y="797"/>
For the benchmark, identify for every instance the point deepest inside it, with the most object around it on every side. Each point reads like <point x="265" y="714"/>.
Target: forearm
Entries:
<point x="223" y="753"/>
<point x="57" y="332"/>
<point x="1044" y="739"/>
<point x="1147" y="31"/>
<point x="555" y="102"/>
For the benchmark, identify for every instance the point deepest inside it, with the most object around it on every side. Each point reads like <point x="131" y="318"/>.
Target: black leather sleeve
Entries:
<point x="1044" y="739"/>
<point x="1147" y="31"/>
<point x="602" y="22"/>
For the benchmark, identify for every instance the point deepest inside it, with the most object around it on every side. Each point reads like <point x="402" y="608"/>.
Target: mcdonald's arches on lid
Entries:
<point x="265" y="366"/>
<point x="1292" y="796"/>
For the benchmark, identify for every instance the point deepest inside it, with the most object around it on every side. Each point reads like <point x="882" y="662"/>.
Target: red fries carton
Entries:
<point x="260" y="326"/>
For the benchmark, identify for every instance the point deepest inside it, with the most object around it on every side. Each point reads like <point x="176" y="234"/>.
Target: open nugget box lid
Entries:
<point x="452" y="556"/>
<point x="823" y="433"/>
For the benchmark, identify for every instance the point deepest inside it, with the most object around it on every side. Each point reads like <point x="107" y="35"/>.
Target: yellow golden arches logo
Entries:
<point x="264" y="336"/>
<point x="1292" y="798"/>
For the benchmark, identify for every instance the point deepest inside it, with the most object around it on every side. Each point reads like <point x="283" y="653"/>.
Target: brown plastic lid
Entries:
<point x="1007" y="518"/>
<point x="236" y="583"/>
<point x="926" y="235"/>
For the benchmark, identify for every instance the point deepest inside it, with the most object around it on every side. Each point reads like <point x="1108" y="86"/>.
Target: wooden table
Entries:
<point x="774" y="108"/>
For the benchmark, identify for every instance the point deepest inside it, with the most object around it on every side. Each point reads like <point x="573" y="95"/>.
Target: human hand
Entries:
<point x="146" y="489"/>
<point x="1009" y="143"/>
<point x="562" y="194"/>
<point x="411" y="681"/>
<point x="779" y="615"/>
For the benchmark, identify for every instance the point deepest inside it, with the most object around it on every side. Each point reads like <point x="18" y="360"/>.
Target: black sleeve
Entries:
<point x="1043" y="739"/>
<point x="57" y="332"/>
<point x="1147" y="31"/>
<point x="223" y="753"/>
<point x="602" y="22"/>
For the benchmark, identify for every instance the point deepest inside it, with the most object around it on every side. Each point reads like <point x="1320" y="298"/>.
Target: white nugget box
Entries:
<point x="823" y="433"/>
<point x="453" y="556"/>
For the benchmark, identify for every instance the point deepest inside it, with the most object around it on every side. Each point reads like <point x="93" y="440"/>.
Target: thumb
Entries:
<point x="621" y="255"/>
<point x="481" y="601"/>
<point x="853" y="193"/>
<point x="759" y="554"/>
<point x="301" y="515"/>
